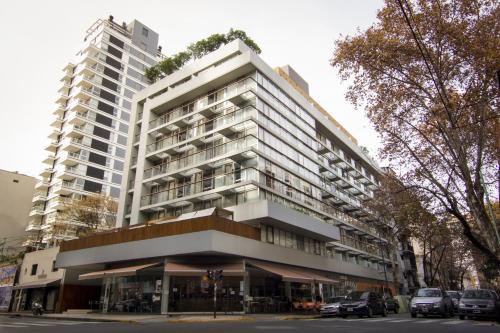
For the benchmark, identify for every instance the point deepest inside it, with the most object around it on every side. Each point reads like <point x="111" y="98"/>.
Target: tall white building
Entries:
<point x="235" y="167"/>
<point x="89" y="132"/>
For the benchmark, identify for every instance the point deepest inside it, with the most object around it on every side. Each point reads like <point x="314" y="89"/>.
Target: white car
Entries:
<point x="331" y="307"/>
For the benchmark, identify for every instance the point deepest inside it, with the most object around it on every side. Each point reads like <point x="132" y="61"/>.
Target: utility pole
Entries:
<point x="215" y="276"/>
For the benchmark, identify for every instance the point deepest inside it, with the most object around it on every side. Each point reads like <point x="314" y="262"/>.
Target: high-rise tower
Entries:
<point x="89" y="132"/>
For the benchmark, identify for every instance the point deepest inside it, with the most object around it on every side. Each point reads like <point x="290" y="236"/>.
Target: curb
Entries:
<point x="102" y="320"/>
<point x="209" y="320"/>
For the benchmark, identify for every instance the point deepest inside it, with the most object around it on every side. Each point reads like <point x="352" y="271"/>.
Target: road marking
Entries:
<point x="6" y="325"/>
<point x="32" y="323"/>
<point x="453" y="322"/>
<point x="275" y="327"/>
<point x="428" y="321"/>
<point x="378" y="319"/>
<point x="399" y="321"/>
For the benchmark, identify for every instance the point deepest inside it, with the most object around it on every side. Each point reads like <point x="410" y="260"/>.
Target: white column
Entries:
<point x="165" y="287"/>
<point x="107" y="287"/>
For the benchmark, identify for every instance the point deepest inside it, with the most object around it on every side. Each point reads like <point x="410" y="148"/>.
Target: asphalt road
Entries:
<point x="401" y="323"/>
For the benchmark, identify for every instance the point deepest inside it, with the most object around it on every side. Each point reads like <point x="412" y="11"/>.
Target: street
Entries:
<point x="393" y="323"/>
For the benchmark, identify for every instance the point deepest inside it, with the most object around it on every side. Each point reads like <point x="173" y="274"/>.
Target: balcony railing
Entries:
<point x="207" y="184"/>
<point x="209" y="125"/>
<point x="224" y="93"/>
<point x="201" y="156"/>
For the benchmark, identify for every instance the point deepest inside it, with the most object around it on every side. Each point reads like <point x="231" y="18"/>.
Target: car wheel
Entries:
<point x="384" y="312"/>
<point x="413" y="315"/>
<point x="461" y="317"/>
<point x="369" y="312"/>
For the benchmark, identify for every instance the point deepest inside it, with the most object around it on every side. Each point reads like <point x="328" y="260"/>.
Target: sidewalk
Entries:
<point x="128" y="318"/>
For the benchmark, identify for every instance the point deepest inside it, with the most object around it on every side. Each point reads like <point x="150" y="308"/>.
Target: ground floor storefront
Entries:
<point x="46" y="295"/>
<point x="181" y="285"/>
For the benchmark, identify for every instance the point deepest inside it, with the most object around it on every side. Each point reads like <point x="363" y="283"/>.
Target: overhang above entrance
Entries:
<point x="292" y="274"/>
<point x="190" y="269"/>
<point x="124" y="271"/>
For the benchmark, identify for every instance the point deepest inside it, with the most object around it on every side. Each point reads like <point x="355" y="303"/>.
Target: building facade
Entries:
<point x="14" y="210"/>
<point x="86" y="153"/>
<point x="234" y="166"/>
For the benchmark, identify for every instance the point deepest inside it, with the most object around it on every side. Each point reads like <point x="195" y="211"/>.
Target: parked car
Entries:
<point x="431" y="301"/>
<point x="362" y="303"/>
<point x="479" y="303"/>
<point x="331" y="307"/>
<point x="455" y="298"/>
<point x="391" y="304"/>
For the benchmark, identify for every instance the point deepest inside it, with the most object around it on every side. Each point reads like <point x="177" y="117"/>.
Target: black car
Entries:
<point x="391" y="304"/>
<point x="482" y="303"/>
<point x="362" y="303"/>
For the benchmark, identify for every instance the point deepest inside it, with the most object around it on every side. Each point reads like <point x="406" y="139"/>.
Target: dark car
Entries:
<point x="391" y="304"/>
<point x="362" y="303"/>
<point x="482" y="303"/>
<point x="431" y="301"/>
<point x="455" y="298"/>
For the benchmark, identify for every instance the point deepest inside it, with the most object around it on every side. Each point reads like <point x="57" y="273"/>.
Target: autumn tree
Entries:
<point x="87" y="215"/>
<point x="425" y="73"/>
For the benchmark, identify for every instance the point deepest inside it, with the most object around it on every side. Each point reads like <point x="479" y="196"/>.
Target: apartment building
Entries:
<point x="235" y="167"/>
<point x="86" y="153"/>
<point x="14" y="210"/>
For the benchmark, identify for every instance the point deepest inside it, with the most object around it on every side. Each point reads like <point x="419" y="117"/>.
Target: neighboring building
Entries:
<point x="38" y="280"/>
<point x="235" y="167"/>
<point x="89" y="136"/>
<point x="408" y="267"/>
<point x="15" y="206"/>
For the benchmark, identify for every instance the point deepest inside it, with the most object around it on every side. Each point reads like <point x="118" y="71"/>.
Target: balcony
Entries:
<point x="66" y="188"/>
<point x="59" y="111"/>
<point x="57" y="122"/>
<point x="39" y="196"/>
<point x="212" y="187"/>
<point x="236" y="150"/>
<point x="52" y="146"/>
<point x="34" y="225"/>
<point x="59" y="204"/>
<point x="220" y="123"/>
<point x="54" y="135"/>
<point x="42" y="185"/>
<point x="46" y="172"/>
<point x="206" y="103"/>
<point x="37" y="210"/>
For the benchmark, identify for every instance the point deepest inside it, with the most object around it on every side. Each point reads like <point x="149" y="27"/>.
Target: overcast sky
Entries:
<point x="40" y="37"/>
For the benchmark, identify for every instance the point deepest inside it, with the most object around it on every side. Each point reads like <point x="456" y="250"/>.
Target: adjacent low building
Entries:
<point x="234" y="167"/>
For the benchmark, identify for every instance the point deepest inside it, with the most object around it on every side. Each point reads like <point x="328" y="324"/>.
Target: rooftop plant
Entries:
<point x="197" y="50"/>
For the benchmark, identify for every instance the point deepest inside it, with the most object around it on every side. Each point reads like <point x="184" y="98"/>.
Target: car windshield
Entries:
<point x="357" y="296"/>
<point x="482" y="294"/>
<point x="429" y="293"/>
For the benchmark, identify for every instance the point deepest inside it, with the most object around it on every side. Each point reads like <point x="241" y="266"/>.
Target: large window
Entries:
<point x="34" y="268"/>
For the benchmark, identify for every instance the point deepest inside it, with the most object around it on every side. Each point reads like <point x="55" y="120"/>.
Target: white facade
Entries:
<point x="89" y="136"/>
<point x="227" y="131"/>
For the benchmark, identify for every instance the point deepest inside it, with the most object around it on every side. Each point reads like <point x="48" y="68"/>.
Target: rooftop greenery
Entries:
<point x="197" y="50"/>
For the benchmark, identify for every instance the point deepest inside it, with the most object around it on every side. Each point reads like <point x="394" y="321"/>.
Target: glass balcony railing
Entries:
<point x="225" y="93"/>
<point x="201" y="156"/>
<point x="210" y="125"/>
<point x="207" y="184"/>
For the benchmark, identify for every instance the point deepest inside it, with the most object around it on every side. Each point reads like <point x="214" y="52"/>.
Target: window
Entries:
<point x="270" y="234"/>
<point x="54" y="268"/>
<point x="34" y="268"/>
<point x="145" y="32"/>
<point x="15" y="181"/>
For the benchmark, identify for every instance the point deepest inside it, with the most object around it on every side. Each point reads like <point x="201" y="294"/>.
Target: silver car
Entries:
<point x="331" y="307"/>
<point x="432" y="301"/>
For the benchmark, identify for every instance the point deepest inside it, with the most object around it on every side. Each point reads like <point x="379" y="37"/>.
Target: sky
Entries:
<point x="40" y="37"/>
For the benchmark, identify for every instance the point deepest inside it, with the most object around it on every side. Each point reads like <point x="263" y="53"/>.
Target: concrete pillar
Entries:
<point x="19" y="299"/>
<point x="321" y="293"/>
<point x="107" y="288"/>
<point x="165" y="287"/>
<point x="288" y="290"/>
<point x="246" y="292"/>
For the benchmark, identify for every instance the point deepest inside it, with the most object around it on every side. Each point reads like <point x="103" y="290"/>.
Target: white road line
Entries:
<point x="428" y="321"/>
<point x="399" y="321"/>
<point x="33" y="323"/>
<point x="6" y="325"/>
<point x="378" y="319"/>
<point x="454" y="322"/>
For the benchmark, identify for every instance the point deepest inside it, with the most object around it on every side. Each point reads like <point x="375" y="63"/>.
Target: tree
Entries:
<point x="197" y="50"/>
<point x="87" y="216"/>
<point x="426" y="74"/>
